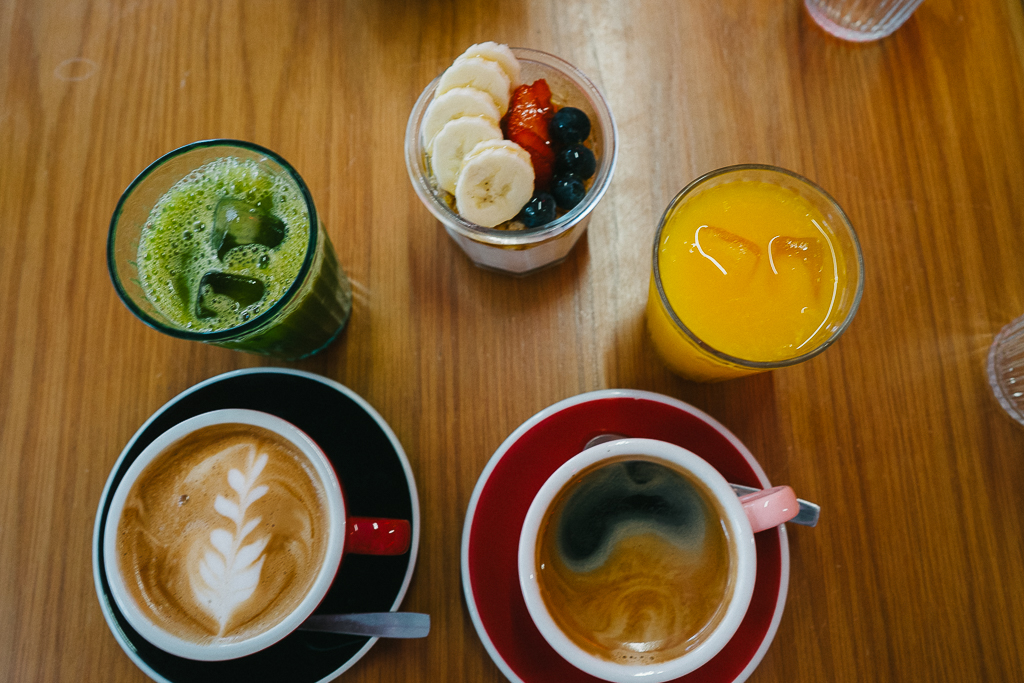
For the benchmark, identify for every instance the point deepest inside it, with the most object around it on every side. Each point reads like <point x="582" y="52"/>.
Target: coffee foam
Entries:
<point x="633" y="562"/>
<point x="223" y="534"/>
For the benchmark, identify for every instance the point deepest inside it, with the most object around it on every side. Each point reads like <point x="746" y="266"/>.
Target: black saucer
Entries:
<point x="377" y="482"/>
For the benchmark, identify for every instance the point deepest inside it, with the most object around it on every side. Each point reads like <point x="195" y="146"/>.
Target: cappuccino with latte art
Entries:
<point x="226" y="532"/>
<point x="223" y="534"/>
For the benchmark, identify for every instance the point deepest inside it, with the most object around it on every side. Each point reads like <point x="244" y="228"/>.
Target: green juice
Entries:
<point x="225" y="244"/>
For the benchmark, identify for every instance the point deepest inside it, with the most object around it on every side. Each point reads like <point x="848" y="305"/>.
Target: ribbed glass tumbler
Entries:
<point x="861" y="20"/>
<point x="1006" y="368"/>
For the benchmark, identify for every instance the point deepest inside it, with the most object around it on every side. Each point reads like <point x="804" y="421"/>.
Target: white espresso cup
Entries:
<point x="226" y="533"/>
<point x="615" y="550"/>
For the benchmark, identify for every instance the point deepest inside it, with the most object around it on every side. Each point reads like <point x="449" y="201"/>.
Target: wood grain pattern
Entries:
<point x="917" y="568"/>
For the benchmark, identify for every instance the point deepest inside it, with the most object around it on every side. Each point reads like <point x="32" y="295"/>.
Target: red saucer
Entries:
<point x="515" y="473"/>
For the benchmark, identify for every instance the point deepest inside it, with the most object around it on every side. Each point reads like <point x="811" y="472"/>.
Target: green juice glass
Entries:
<point x="312" y="308"/>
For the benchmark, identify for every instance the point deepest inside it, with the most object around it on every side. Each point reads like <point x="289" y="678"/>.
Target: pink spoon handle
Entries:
<point x="769" y="508"/>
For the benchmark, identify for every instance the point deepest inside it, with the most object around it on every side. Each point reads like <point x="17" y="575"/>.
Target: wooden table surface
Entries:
<point x="916" y="571"/>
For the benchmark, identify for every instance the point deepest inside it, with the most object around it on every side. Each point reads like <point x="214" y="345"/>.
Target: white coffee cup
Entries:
<point x="743" y="556"/>
<point x="336" y="516"/>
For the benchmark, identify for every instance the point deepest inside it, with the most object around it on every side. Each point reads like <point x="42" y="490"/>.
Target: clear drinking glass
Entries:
<point x="305" y="319"/>
<point x="861" y="20"/>
<point x="1006" y="368"/>
<point x="519" y="252"/>
<point x="689" y="355"/>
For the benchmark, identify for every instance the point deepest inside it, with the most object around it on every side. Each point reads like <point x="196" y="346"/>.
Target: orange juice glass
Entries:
<point x="755" y="268"/>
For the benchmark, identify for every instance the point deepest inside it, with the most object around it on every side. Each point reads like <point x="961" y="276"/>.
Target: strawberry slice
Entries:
<point x="530" y="108"/>
<point x="526" y="124"/>
<point x="541" y="154"/>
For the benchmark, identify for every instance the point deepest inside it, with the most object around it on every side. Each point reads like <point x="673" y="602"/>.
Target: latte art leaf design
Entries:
<point x="230" y="571"/>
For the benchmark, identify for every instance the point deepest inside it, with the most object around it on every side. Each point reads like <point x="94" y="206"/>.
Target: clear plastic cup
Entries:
<point x="520" y="252"/>
<point x="861" y="20"/>
<point x="1006" y="368"/>
<point x="307" y="317"/>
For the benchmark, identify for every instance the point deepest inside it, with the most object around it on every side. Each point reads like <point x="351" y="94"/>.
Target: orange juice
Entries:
<point x="755" y="270"/>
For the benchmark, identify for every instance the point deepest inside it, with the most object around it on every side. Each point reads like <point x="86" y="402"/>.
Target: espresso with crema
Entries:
<point x="634" y="561"/>
<point x="223" y="534"/>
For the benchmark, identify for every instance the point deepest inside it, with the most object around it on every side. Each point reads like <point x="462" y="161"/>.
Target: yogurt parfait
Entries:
<point x="511" y="149"/>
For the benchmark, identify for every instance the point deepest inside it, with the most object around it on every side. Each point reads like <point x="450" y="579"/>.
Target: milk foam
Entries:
<point x="223" y="534"/>
<point x="229" y="572"/>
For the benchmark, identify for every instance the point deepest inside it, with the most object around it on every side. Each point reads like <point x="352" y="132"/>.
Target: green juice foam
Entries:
<point x="178" y="246"/>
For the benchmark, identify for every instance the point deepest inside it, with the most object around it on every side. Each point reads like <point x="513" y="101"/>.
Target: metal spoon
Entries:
<point x="376" y="624"/>
<point x="808" y="514"/>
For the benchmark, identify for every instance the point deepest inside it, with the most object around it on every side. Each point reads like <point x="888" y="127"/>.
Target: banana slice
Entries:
<point x="495" y="182"/>
<point x="479" y="73"/>
<point x="455" y="140"/>
<point x="496" y="52"/>
<point x="456" y="104"/>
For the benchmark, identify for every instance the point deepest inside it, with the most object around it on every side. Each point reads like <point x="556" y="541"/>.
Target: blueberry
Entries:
<point x="569" y="126"/>
<point x="540" y="210"/>
<point x="575" y="160"/>
<point x="569" y="191"/>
